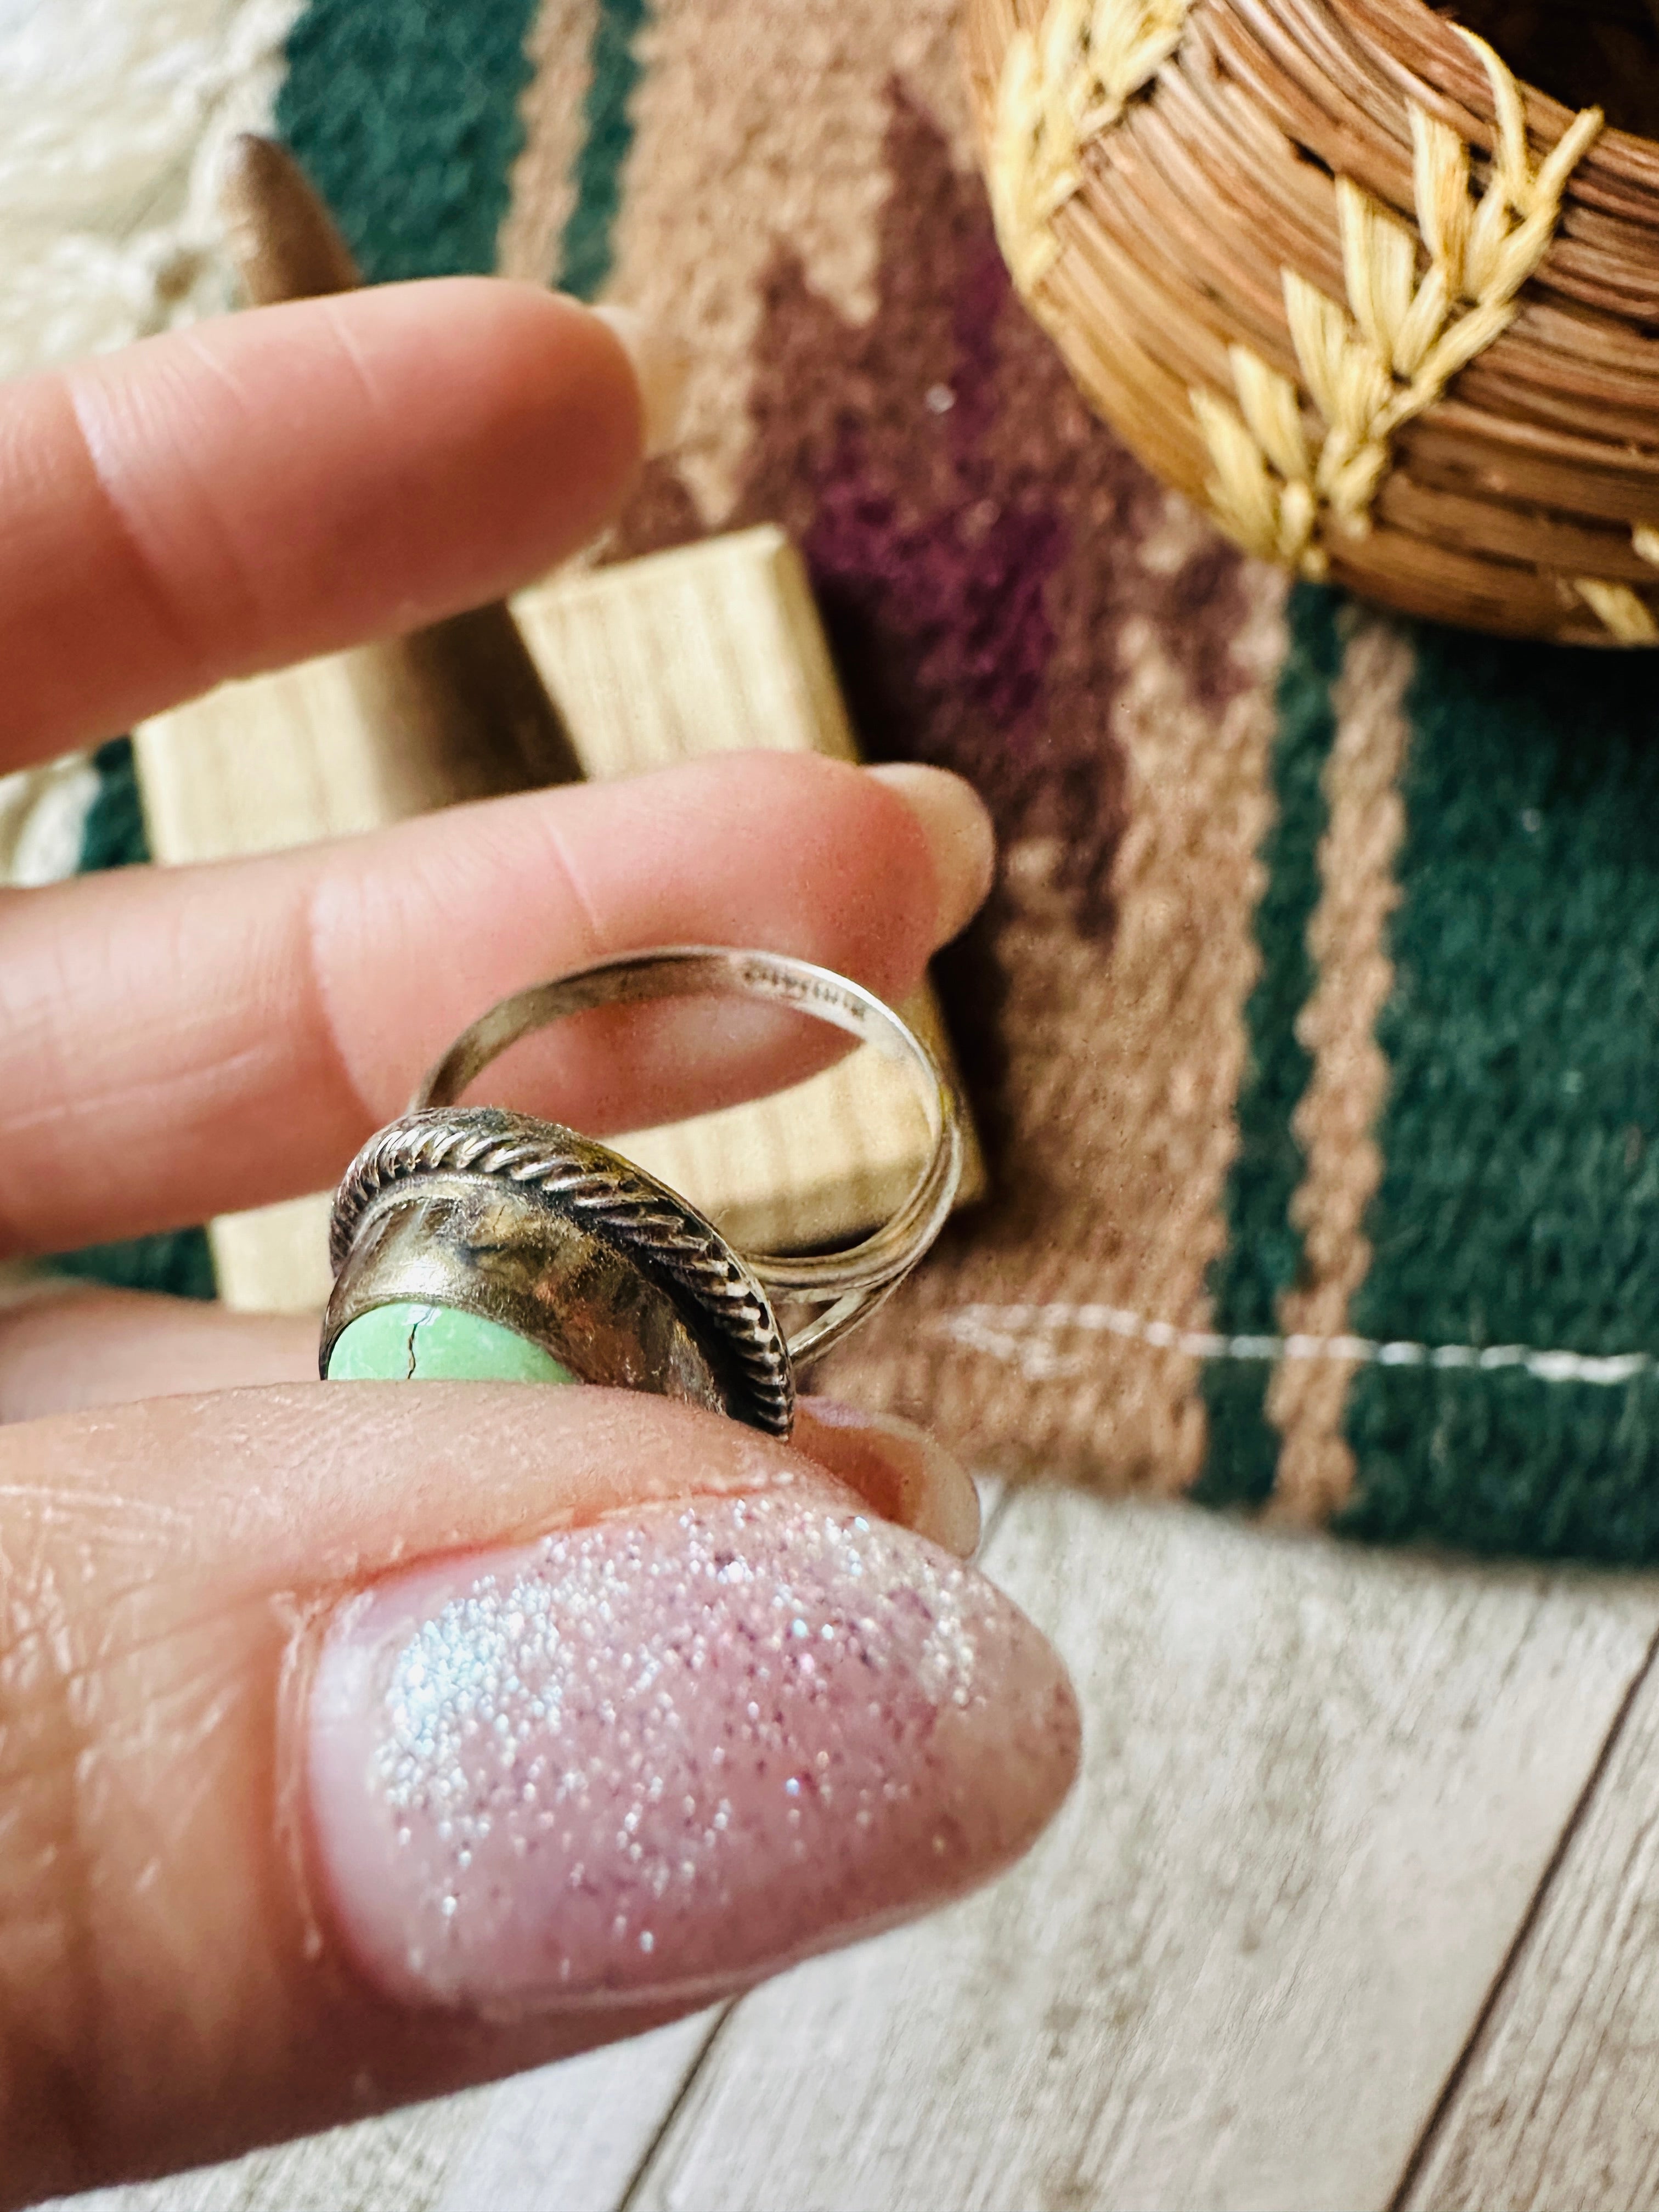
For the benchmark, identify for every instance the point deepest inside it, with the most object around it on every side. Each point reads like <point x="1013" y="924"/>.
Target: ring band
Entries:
<point x="564" y="1243"/>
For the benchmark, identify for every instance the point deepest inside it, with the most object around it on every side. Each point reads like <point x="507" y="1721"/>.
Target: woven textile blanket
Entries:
<point x="1313" y="1026"/>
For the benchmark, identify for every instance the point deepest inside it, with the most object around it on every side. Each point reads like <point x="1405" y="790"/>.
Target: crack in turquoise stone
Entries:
<point x="408" y="1342"/>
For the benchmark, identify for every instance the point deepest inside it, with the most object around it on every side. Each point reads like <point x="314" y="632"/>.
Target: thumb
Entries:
<point x="355" y="1745"/>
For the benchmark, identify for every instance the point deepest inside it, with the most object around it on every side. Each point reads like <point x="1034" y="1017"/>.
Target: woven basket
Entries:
<point x="1332" y="271"/>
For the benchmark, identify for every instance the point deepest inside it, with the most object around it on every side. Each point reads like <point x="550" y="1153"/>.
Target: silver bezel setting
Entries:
<point x="545" y="1174"/>
<point x="564" y="1242"/>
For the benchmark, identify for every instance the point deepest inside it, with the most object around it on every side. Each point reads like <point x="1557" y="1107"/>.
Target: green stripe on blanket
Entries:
<point x="1520" y="1198"/>
<point x="585" y="248"/>
<point x="406" y="114"/>
<point x="1264" y="1250"/>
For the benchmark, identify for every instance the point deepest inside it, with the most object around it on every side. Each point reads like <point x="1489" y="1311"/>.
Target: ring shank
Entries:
<point x="847" y="1286"/>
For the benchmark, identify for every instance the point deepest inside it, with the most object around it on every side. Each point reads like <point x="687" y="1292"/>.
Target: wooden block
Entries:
<point x="288" y="758"/>
<point x="714" y="648"/>
<point x="708" y="649"/>
<point x="274" y="1259"/>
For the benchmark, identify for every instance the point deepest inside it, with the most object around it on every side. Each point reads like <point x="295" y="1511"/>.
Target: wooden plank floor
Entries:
<point x="1559" y="2102"/>
<point x="1353" y="1899"/>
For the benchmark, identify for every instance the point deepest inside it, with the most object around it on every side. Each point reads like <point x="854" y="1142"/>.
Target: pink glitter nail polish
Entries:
<point x="665" y="1755"/>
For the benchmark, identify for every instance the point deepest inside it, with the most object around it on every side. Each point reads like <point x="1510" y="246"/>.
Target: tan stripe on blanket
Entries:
<point x="544" y="189"/>
<point x="1124" y="1064"/>
<point x="755" y="125"/>
<point x="1306" y="1398"/>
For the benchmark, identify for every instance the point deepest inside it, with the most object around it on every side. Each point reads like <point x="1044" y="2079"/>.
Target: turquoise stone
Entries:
<point x="408" y="1342"/>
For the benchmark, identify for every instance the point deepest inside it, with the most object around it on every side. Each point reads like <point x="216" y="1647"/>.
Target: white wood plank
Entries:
<point x="274" y="1259"/>
<point x="1320" y="1789"/>
<point x="589" y="2122"/>
<point x="1556" y="2108"/>
<point x="571" y="2136"/>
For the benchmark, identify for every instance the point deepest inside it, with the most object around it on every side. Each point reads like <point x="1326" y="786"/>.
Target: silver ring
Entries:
<point x="527" y="1225"/>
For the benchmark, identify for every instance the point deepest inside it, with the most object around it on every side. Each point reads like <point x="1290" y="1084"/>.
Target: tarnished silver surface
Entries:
<point x="564" y="1242"/>
<point x="559" y="1239"/>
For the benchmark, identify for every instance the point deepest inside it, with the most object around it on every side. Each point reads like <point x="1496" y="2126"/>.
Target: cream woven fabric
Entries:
<point x="112" y="116"/>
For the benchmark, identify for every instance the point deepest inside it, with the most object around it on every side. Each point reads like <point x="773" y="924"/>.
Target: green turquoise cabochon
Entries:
<point x="411" y="1343"/>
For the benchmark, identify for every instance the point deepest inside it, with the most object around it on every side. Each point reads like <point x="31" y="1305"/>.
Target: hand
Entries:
<point x="359" y="1741"/>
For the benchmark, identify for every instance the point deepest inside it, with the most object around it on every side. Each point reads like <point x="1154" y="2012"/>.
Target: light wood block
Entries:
<point x="278" y="760"/>
<point x="711" y="648"/>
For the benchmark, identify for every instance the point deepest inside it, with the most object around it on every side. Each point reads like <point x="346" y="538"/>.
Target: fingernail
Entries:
<point x="959" y="836"/>
<point x="661" y="1757"/>
<point x="907" y="1475"/>
<point x="661" y="365"/>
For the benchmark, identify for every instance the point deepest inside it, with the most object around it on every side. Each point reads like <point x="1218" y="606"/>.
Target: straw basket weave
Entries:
<point x="1330" y="270"/>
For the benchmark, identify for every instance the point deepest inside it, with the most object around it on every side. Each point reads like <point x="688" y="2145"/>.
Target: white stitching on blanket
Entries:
<point x="1024" y="1336"/>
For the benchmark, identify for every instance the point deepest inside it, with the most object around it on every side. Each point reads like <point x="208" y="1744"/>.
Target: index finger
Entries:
<point x="287" y="482"/>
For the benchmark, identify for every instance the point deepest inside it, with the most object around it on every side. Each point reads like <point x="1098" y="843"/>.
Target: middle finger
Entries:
<point x="182" y="1043"/>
